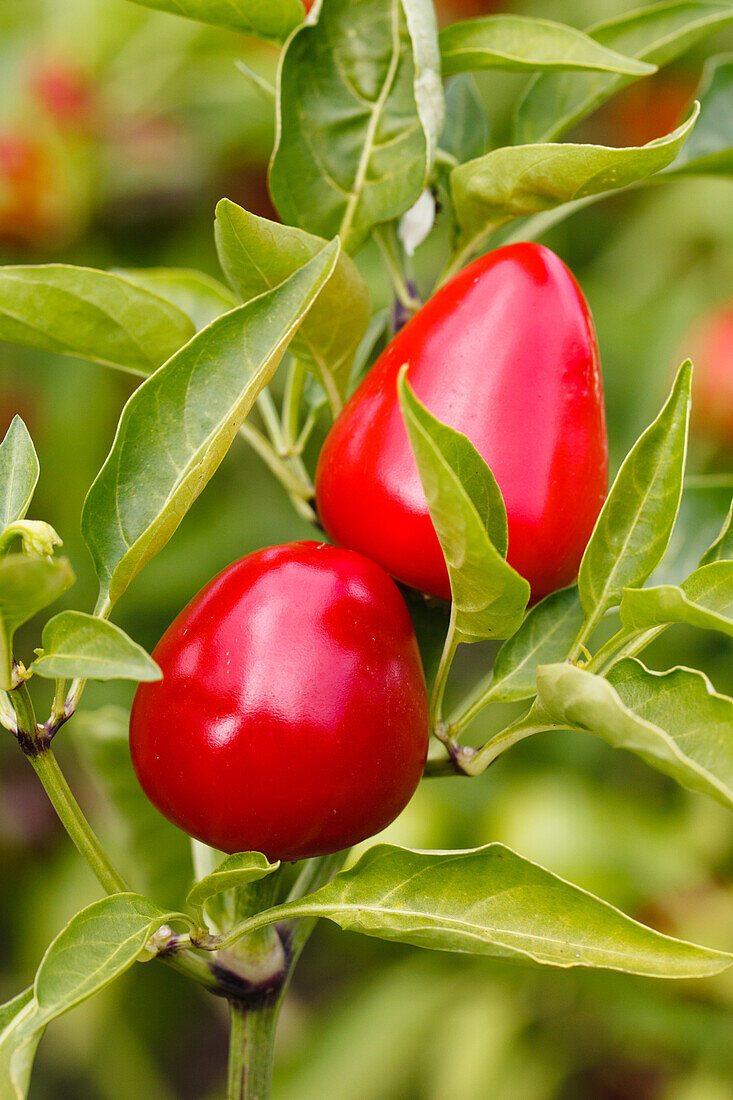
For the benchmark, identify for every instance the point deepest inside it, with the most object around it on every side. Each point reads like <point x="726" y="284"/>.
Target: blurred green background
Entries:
<point x="119" y="129"/>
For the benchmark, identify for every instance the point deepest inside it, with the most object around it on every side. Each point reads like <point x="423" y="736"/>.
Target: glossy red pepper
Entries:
<point x="506" y="353"/>
<point x="292" y="717"/>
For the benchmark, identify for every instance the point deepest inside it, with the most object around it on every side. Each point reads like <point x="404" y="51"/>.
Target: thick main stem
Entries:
<point x="251" y="1050"/>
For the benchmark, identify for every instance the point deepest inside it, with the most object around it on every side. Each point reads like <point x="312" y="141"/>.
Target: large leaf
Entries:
<point x="93" y="314"/>
<point x="269" y="19"/>
<point x="200" y="297"/>
<point x="257" y="254"/>
<point x="18" y="1044"/>
<point x="155" y="854"/>
<point x="467" y="510"/>
<point x="235" y="870"/>
<point x="658" y="34"/>
<point x="704" y="600"/>
<point x="467" y="130"/>
<point x="519" y="43"/>
<point x="519" y="180"/>
<point x="546" y="636"/>
<point x="19" y="471"/>
<point x="491" y="901"/>
<point x="176" y="428"/>
<point x="673" y="720"/>
<point x="635" y="524"/>
<point x="78" y="645"/>
<point x="27" y="585"/>
<point x="360" y="111"/>
<point x="709" y="150"/>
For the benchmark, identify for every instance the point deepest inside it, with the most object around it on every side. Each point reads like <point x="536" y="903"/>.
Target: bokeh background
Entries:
<point x="119" y="130"/>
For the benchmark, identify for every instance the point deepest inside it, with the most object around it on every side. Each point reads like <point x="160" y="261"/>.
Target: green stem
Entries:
<point x="300" y="491"/>
<point x="441" y="679"/>
<point x="251" y="1050"/>
<point x="613" y="652"/>
<point x="291" y="403"/>
<point x="70" y="814"/>
<point x="479" y="761"/>
<point x="271" y="419"/>
<point x="482" y="696"/>
<point x="401" y="289"/>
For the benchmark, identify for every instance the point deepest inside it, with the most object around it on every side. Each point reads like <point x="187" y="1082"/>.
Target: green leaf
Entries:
<point x="673" y="720"/>
<point x="635" y="524"/>
<point x="36" y="537"/>
<point x="546" y="636"/>
<point x="200" y="297"/>
<point x="235" y="870"/>
<point x="520" y="180"/>
<point x="360" y="108"/>
<point x="521" y="44"/>
<point x="177" y="426"/>
<point x="19" y="472"/>
<point x="710" y="148"/>
<point x="27" y="585"/>
<point x="18" y="1043"/>
<point x="722" y="548"/>
<point x="272" y="20"/>
<point x="75" y="644"/>
<point x="555" y="101"/>
<point x="257" y="254"/>
<point x="154" y="853"/>
<point x="93" y="314"/>
<point x="491" y="901"/>
<point x="467" y="130"/>
<point x="704" y="600"/>
<point x="467" y="510"/>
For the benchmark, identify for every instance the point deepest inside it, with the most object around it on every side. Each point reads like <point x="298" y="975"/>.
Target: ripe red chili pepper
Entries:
<point x="506" y="353"/>
<point x="292" y="717"/>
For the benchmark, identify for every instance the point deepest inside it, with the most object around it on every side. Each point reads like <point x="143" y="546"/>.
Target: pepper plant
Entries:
<point x="382" y="142"/>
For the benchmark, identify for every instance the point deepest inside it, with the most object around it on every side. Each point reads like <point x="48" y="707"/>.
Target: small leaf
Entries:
<point x="635" y="525"/>
<point x="722" y="548"/>
<point x="520" y="180"/>
<point x="272" y="20"/>
<point x="704" y="600"/>
<point x="18" y="1042"/>
<point x="555" y="101"/>
<point x="356" y="145"/>
<point x="143" y="843"/>
<point x="27" y="585"/>
<point x="93" y="314"/>
<point x="546" y="636"/>
<point x="491" y="901"/>
<point x="673" y="720"/>
<point x="178" y="425"/>
<point x="257" y="254"/>
<point x="36" y="537"/>
<point x="467" y="510"/>
<point x="19" y="472"/>
<point x="75" y="644"/>
<point x="200" y="297"/>
<point x="236" y="870"/>
<point x="467" y="130"/>
<point x="709" y="150"/>
<point x="521" y="44"/>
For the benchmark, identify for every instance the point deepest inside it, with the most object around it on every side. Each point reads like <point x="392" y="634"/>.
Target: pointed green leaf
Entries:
<point x="635" y="525"/>
<point x="200" y="297"/>
<point x="546" y="636"/>
<point x="673" y="720"/>
<point x="467" y="130"/>
<point x="519" y="43"/>
<point x="176" y="428"/>
<point x="272" y="20"/>
<point x="27" y="585"/>
<point x="141" y="841"/>
<point x="75" y="644"/>
<point x="722" y="548"/>
<point x="704" y="600"/>
<point x="236" y="870"/>
<point x="709" y="151"/>
<point x="491" y="901"/>
<point x="93" y="314"/>
<point x="467" y="510"/>
<point x="520" y="180"/>
<point x="19" y="472"/>
<point x="555" y="101"/>
<point x="257" y="254"/>
<point x="356" y="145"/>
<point x="18" y="1042"/>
